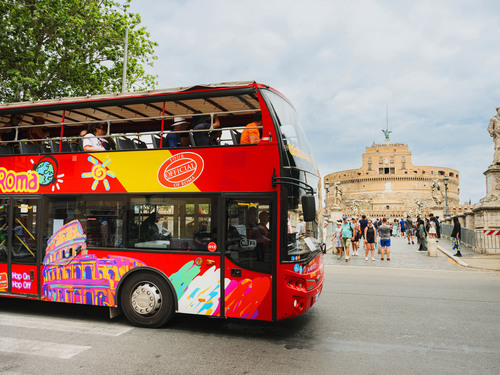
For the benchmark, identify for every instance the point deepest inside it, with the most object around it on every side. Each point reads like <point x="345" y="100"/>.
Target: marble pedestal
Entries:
<point x="487" y="211"/>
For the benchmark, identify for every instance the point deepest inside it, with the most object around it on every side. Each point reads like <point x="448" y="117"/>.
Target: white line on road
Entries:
<point x="40" y="348"/>
<point x="62" y="325"/>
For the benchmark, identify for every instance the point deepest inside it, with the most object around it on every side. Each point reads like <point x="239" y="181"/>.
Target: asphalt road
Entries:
<point x="372" y="318"/>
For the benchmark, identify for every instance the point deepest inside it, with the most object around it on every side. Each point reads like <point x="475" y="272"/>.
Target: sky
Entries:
<point x="432" y="65"/>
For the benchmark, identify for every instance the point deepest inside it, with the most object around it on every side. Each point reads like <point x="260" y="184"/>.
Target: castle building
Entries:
<point x="389" y="185"/>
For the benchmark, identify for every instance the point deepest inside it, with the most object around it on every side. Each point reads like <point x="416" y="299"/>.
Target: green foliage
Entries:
<point x="60" y="48"/>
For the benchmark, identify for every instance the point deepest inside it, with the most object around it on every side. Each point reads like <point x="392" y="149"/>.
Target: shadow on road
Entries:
<point x="180" y="323"/>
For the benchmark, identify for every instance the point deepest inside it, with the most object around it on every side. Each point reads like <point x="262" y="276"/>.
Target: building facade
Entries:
<point x="389" y="185"/>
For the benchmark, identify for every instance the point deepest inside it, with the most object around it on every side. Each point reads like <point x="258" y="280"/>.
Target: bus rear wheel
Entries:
<point x="147" y="300"/>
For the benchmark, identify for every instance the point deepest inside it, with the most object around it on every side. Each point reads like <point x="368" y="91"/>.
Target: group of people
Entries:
<point x="34" y="134"/>
<point x="350" y="234"/>
<point x="205" y="132"/>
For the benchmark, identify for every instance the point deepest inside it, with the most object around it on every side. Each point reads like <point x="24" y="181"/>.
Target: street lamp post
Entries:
<point x="447" y="211"/>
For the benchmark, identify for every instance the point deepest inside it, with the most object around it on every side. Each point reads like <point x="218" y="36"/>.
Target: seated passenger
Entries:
<point x="173" y="139"/>
<point x="149" y="229"/>
<point x="252" y="136"/>
<point x="201" y="122"/>
<point x="93" y="139"/>
<point x="37" y="133"/>
<point x="215" y="134"/>
<point x="10" y="134"/>
<point x="203" y="237"/>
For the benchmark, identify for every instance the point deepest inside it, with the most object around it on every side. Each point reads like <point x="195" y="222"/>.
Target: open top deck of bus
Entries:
<point x="137" y="114"/>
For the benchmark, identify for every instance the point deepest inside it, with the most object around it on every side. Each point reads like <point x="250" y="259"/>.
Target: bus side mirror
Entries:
<point x="309" y="207"/>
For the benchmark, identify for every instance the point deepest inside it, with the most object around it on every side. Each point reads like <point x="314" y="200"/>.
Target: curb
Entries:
<point x="462" y="263"/>
<point x="455" y="259"/>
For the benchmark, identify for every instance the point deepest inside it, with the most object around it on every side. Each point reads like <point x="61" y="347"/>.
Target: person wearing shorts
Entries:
<point x="347" y="234"/>
<point x="409" y="229"/>
<point x="385" y="239"/>
<point x="370" y="239"/>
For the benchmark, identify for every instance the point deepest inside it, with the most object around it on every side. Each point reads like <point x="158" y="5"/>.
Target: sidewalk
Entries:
<point x="469" y="258"/>
<point x="407" y="256"/>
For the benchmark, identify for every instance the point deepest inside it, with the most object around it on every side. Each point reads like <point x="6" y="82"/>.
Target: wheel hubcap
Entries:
<point x="146" y="299"/>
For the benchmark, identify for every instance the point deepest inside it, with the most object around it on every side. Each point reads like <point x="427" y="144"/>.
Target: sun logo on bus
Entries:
<point x="99" y="173"/>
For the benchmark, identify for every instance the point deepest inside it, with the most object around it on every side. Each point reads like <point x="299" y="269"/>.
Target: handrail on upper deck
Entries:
<point x="110" y="122"/>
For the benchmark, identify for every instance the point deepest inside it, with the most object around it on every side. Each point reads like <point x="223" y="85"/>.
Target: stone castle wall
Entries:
<point x="388" y="184"/>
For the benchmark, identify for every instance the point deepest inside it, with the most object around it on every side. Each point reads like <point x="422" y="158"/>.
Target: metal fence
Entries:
<point x="476" y="239"/>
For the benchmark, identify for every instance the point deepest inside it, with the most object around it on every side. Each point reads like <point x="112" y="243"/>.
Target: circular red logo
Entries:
<point x="180" y="170"/>
<point x="212" y="246"/>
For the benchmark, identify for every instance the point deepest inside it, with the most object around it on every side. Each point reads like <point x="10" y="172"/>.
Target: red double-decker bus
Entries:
<point x="199" y="200"/>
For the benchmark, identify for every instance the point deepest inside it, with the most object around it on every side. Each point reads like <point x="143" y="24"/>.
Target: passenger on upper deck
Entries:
<point x="10" y="134"/>
<point x="252" y="136"/>
<point x="173" y="139"/>
<point x="37" y="133"/>
<point x="202" y="122"/>
<point x="92" y="140"/>
<point x="215" y="134"/>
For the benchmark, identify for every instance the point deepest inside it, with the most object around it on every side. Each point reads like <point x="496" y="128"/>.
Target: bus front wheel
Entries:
<point x="146" y="300"/>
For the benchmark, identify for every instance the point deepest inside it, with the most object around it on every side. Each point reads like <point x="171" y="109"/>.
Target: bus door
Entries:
<point x="18" y="245"/>
<point x="250" y="253"/>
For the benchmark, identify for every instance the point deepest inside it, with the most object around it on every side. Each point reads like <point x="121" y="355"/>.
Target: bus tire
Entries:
<point x="147" y="300"/>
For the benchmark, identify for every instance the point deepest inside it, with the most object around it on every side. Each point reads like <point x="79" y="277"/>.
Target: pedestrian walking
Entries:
<point x="409" y="229"/>
<point x="421" y="235"/>
<point x="455" y="235"/>
<point x="347" y="234"/>
<point x="337" y="238"/>
<point x="363" y="223"/>
<point x="385" y="239"/>
<point x="370" y="239"/>
<point x="395" y="231"/>
<point x="357" y="236"/>
<point x="402" y="228"/>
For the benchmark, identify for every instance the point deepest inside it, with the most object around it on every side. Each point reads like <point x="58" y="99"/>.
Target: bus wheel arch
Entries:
<point x="147" y="298"/>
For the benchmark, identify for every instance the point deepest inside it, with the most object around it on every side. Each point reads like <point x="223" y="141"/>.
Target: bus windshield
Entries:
<point x="303" y="237"/>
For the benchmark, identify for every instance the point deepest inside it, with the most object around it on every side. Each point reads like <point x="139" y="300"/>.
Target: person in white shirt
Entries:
<point x="91" y="141"/>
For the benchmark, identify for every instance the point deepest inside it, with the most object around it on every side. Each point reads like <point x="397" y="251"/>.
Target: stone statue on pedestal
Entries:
<point x="437" y="192"/>
<point x="337" y="195"/>
<point x="494" y="130"/>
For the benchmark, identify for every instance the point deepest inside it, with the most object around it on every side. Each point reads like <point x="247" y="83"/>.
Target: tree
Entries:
<point x="60" y="48"/>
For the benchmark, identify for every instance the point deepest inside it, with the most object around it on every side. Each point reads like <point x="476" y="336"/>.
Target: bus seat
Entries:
<point x="46" y="149"/>
<point x="75" y="146"/>
<point x="6" y="150"/>
<point x="140" y="144"/>
<point x="29" y="148"/>
<point x="125" y="143"/>
<point x="236" y="136"/>
<point x="157" y="140"/>
<point x="191" y="138"/>
<point x="54" y="145"/>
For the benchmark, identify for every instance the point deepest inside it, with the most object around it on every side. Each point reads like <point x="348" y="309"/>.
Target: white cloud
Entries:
<point x="435" y="63"/>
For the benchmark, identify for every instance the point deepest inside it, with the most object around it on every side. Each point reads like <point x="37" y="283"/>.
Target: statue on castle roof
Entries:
<point x="386" y="133"/>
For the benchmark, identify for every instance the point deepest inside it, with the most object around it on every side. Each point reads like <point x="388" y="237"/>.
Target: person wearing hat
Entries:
<point x="347" y="234"/>
<point x="173" y="139"/>
<point x="338" y="240"/>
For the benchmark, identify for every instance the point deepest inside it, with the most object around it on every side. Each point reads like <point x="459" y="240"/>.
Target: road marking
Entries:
<point x="62" y="325"/>
<point x="40" y="348"/>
